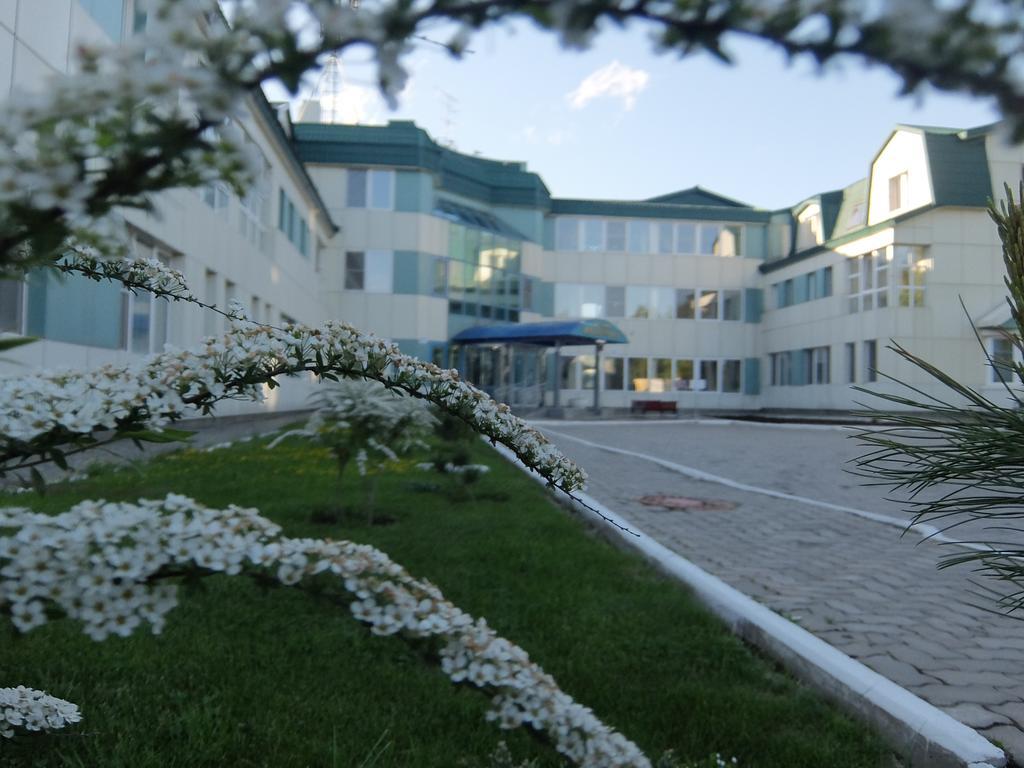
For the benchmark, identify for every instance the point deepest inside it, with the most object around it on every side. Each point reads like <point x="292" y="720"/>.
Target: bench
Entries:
<point x="653" y="406"/>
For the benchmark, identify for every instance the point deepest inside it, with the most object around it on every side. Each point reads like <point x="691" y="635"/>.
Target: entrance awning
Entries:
<point x="546" y="334"/>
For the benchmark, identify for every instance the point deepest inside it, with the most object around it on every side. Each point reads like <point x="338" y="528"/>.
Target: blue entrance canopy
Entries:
<point x="545" y="334"/>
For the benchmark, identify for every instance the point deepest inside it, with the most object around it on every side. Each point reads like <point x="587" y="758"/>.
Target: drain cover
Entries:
<point x="687" y="503"/>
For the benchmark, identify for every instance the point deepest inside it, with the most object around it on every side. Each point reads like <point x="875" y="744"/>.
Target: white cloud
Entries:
<point x="615" y="81"/>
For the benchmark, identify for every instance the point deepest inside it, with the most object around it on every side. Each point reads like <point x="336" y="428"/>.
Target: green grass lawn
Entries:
<point x="245" y="676"/>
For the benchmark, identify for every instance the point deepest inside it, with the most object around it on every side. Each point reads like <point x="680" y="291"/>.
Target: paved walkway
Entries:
<point x="853" y="581"/>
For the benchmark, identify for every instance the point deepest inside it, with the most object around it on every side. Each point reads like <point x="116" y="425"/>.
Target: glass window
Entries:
<point x="870" y="360"/>
<point x="684" y="375"/>
<point x="615" y="232"/>
<point x="686" y="238"/>
<point x="731" y="376"/>
<point x="912" y="270"/>
<point x="709" y="305"/>
<point x="709" y="238"/>
<point x="592" y="301"/>
<point x="10" y="305"/>
<point x="851" y="363"/>
<point x="666" y="242"/>
<point x="568" y="368"/>
<point x="354" y="270"/>
<point x="709" y="373"/>
<point x="728" y="242"/>
<point x="567" y="234"/>
<point x="593" y="235"/>
<point x="381" y="189"/>
<point x="138" y="330"/>
<point x="853" y="283"/>
<point x="663" y="303"/>
<point x="440" y="277"/>
<point x="587" y="370"/>
<point x="638" y="374"/>
<point x="826" y="282"/>
<point x="661" y="378"/>
<point x="882" y="277"/>
<point x="821" y="365"/>
<point x="356" y="191"/>
<point x="613" y="372"/>
<point x="568" y="300"/>
<point x="1001" y="368"/>
<point x="686" y="304"/>
<point x="615" y="301"/>
<point x="639" y="234"/>
<point x="76" y="310"/>
<point x="898" y="191"/>
<point x="638" y="301"/>
<point x="109" y="14"/>
<point x="527" y="300"/>
<point x="732" y="305"/>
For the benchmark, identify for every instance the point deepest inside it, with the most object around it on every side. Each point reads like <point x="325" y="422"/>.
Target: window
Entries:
<point x="731" y="376"/>
<point x="898" y="191"/>
<point x="613" y="372"/>
<point x="708" y="305"/>
<point x="851" y="363"/>
<point x="732" y="305"/>
<point x="912" y="269"/>
<point x="1003" y="355"/>
<point x="292" y="223"/>
<point x="868" y="280"/>
<point x="820" y="366"/>
<point x="639" y="235"/>
<point x="787" y="293"/>
<point x="109" y="14"/>
<point x="12" y="301"/>
<point x="615" y="231"/>
<point x="826" y="282"/>
<point x="593" y="235"/>
<point x="210" y="320"/>
<point x="684" y="375"/>
<point x="649" y="302"/>
<point x="857" y="216"/>
<point x="781" y="369"/>
<point x="615" y="301"/>
<point x="871" y="360"/>
<point x="686" y="238"/>
<point x="709" y="373"/>
<point x="638" y="374"/>
<point x="661" y="380"/>
<point x="573" y="300"/>
<point x="215" y="194"/>
<point x="567" y="234"/>
<point x="726" y="242"/>
<point x="588" y="368"/>
<point x="254" y="208"/>
<point x="440" y="278"/>
<point x="370" y="189"/>
<point x="666" y="241"/>
<point x="568" y="369"/>
<point x="686" y="304"/>
<point x="354" y="270"/>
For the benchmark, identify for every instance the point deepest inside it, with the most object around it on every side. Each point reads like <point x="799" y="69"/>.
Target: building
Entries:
<point x="726" y="306"/>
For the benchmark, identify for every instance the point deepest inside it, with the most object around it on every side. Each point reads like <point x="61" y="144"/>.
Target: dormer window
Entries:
<point x="897" y="191"/>
<point x="809" y="229"/>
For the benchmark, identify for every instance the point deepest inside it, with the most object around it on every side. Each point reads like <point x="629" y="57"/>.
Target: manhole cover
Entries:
<point x="686" y="502"/>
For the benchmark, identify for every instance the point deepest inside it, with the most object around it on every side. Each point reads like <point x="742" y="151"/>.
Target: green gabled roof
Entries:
<point x="401" y="144"/>
<point x="697" y="196"/>
<point x="651" y="210"/>
<point x="959" y="169"/>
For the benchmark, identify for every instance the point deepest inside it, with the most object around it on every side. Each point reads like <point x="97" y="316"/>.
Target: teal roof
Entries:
<point x="545" y="334"/>
<point x="697" y="196"/>
<point x="401" y="144"/>
<point x="959" y="169"/>
<point x="652" y="210"/>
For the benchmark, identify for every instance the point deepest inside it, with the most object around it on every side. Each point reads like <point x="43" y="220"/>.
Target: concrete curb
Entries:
<point x="926" y="735"/>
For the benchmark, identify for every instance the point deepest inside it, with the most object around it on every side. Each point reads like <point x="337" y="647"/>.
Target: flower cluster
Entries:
<point x="47" y="410"/>
<point x="33" y="710"/>
<point x="140" y="274"/>
<point x="454" y="469"/>
<point x="109" y="565"/>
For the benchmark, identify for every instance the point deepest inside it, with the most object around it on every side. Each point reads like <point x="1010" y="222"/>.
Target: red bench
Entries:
<point x="653" y="406"/>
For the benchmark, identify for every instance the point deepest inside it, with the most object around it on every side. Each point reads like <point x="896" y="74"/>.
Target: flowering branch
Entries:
<point x="43" y="414"/>
<point x="98" y="563"/>
<point x="32" y="710"/>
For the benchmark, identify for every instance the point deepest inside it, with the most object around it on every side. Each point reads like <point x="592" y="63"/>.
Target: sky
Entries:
<point x="619" y="121"/>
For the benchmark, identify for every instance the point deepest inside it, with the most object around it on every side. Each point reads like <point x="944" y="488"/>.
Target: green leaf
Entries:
<point x="163" y="436"/>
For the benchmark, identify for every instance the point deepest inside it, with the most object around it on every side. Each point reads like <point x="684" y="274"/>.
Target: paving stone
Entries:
<point x="976" y="716"/>
<point x="899" y="672"/>
<point x="1009" y="738"/>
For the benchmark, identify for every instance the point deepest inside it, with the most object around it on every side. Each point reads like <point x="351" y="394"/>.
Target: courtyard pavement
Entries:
<point x="801" y="539"/>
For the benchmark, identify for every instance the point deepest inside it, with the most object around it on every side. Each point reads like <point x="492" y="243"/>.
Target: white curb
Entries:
<point x="918" y="730"/>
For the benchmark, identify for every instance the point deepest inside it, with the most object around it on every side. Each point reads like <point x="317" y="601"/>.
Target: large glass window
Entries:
<point x="666" y="240"/>
<point x="613" y="372"/>
<point x="568" y="368"/>
<point x="440" y="281"/>
<point x="851" y="362"/>
<point x="686" y="238"/>
<point x="109" y="14"/>
<point x="821" y="369"/>
<point x="638" y="301"/>
<point x="356" y="189"/>
<point x="592" y="301"/>
<point x="615" y="301"/>
<point x="75" y="310"/>
<point x="638" y="374"/>
<point x="731" y="376"/>
<point x="1001" y="351"/>
<point x="686" y="304"/>
<point x="708" y="305"/>
<point x="593" y="235"/>
<point x="615" y="232"/>
<point x="639" y="234"/>
<point x="728" y="241"/>
<point x="382" y="189"/>
<point x="732" y="305"/>
<point x="684" y="375"/>
<point x="870" y="360"/>
<point x="588" y="369"/>
<point x="661" y="375"/>
<point x="868" y="280"/>
<point x="709" y="374"/>
<point x="355" y="262"/>
<point x="912" y="270"/>
<point x="567" y="234"/>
